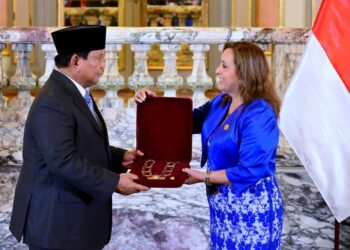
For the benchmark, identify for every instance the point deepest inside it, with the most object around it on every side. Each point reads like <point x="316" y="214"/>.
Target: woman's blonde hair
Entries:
<point x="253" y="74"/>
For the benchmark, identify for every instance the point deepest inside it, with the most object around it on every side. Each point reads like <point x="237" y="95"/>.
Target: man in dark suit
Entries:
<point x="63" y="198"/>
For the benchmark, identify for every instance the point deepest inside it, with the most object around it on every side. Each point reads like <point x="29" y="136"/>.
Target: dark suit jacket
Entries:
<point x="69" y="173"/>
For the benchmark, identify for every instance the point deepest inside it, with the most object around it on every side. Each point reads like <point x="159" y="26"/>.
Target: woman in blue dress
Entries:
<point x="239" y="142"/>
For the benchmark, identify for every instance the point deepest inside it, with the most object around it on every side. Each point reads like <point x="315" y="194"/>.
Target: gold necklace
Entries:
<point x="167" y="170"/>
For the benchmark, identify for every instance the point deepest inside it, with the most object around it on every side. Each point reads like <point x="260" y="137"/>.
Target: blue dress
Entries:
<point x="249" y="213"/>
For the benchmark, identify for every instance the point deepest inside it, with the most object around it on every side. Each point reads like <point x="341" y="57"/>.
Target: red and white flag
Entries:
<point x="315" y="114"/>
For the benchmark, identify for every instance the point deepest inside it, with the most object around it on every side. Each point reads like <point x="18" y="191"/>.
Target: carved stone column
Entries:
<point x="285" y="57"/>
<point x="170" y="80"/>
<point x="3" y="80"/>
<point x="111" y="80"/>
<point x="199" y="80"/>
<point x="23" y="79"/>
<point x="140" y="77"/>
<point x="50" y="53"/>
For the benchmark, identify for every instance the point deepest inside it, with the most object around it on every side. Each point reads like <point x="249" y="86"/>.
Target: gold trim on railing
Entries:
<point x="250" y="13"/>
<point x="281" y="9"/>
<point x="233" y="13"/>
<point x="82" y="10"/>
<point x="31" y="13"/>
<point x="60" y="13"/>
<point x="14" y="9"/>
<point x="183" y="9"/>
<point x="121" y="16"/>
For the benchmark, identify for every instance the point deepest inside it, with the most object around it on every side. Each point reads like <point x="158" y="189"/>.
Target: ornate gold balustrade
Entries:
<point x="155" y="12"/>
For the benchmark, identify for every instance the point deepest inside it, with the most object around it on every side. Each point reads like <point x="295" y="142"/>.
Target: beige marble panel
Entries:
<point x="242" y="13"/>
<point x="4" y="13"/>
<point x="266" y="13"/>
<point x="292" y="20"/>
<point x="22" y="10"/>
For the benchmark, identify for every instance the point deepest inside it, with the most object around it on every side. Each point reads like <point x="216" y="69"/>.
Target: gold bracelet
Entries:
<point x="207" y="178"/>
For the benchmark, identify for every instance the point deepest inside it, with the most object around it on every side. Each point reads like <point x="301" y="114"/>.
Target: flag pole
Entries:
<point x="336" y="234"/>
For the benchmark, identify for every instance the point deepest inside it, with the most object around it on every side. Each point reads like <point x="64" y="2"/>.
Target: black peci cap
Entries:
<point x="79" y="39"/>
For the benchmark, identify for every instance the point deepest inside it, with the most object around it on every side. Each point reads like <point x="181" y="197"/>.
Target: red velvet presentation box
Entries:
<point x="164" y="135"/>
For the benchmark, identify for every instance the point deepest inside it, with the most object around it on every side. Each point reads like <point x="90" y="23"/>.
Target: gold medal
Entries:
<point x="226" y="127"/>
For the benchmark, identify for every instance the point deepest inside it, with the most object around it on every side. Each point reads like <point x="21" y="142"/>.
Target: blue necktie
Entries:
<point x="89" y="102"/>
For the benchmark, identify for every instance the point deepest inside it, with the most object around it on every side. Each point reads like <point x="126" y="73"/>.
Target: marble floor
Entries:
<point x="178" y="218"/>
<point x="174" y="219"/>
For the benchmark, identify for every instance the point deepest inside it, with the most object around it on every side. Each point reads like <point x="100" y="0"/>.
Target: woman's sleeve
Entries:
<point x="257" y="154"/>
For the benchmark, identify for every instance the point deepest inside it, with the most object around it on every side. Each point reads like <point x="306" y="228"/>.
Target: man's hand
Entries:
<point x="126" y="185"/>
<point x="129" y="157"/>
<point x="141" y="95"/>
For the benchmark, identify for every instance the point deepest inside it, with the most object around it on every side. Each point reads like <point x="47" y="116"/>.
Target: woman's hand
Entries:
<point x="194" y="176"/>
<point x="141" y="95"/>
<point x="129" y="157"/>
<point x="213" y="177"/>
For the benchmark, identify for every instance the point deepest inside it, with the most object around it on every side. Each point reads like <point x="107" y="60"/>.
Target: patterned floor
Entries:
<point x="178" y="218"/>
